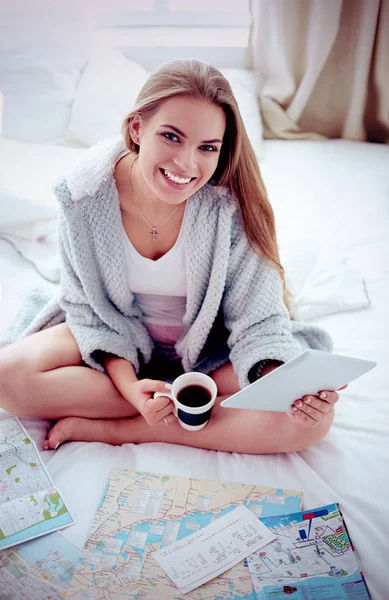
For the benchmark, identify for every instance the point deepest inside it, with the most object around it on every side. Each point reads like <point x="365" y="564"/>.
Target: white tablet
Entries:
<point x="309" y="373"/>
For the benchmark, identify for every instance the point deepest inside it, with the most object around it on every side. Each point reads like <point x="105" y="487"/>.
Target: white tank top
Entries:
<point x="159" y="288"/>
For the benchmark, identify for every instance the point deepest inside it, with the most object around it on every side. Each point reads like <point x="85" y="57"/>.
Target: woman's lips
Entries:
<point x="173" y="184"/>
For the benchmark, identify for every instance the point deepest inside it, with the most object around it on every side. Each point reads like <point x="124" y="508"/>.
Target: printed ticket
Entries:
<point x="204" y="555"/>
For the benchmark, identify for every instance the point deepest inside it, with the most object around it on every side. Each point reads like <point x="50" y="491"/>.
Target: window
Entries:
<point x="153" y="31"/>
<point x="178" y="13"/>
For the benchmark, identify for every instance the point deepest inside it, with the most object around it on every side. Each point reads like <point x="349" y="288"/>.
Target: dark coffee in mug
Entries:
<point x="194" y="396"/>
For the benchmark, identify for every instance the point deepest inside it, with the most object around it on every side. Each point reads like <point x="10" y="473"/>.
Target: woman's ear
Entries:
<point x="134" y="129"/>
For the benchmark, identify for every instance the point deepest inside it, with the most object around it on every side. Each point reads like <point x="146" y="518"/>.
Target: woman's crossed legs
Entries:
<point x="43" y="376"/>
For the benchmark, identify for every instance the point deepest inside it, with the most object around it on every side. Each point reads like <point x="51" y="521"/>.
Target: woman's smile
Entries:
<point x="175" y="181"/>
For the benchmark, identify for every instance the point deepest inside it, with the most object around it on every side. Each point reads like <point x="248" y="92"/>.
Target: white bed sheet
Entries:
<point x="349" y="466"/>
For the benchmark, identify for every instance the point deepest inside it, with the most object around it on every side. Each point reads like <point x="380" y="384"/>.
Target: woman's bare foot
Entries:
<point x="109" y="431"/>
<point x="69" y="428"/>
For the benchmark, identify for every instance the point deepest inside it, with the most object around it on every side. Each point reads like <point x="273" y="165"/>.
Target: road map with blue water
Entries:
<point x="312" y="558"/>
<point x="142" y="512"/>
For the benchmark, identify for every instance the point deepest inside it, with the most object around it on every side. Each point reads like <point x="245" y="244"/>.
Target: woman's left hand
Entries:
<point x="310" y="410"/>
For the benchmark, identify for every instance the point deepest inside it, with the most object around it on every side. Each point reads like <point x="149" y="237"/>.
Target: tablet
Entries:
<point x="308" y="373"/>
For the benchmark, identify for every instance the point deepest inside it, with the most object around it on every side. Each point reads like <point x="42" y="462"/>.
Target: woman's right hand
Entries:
<point x="156" y="411"/>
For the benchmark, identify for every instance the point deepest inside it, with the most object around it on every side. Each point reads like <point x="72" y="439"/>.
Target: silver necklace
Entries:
<point x="153" y="229"/>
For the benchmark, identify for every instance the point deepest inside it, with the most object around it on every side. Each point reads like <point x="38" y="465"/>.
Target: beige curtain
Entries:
<point x="322" y="68"/>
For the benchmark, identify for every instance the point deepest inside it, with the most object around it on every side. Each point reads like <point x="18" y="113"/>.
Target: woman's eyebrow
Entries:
<point x="184" y="136"/>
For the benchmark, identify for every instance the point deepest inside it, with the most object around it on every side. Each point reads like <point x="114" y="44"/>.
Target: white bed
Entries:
<point x="331" y="201"/>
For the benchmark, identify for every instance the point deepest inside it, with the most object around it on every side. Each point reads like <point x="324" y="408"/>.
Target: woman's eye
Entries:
<point x="173" y="138"/>
<point x="170" y="136"/>
<point x="208" y="148"/>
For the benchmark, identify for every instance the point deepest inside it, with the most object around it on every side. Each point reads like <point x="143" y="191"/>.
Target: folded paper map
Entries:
<point x="141" y="513"/>
<point x="312" y="558"/>
<point x="30" y="504"/>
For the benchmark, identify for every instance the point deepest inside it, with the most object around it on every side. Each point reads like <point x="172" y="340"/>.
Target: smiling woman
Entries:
<point x="169" y="264"/>
<point x="176" y="148"/>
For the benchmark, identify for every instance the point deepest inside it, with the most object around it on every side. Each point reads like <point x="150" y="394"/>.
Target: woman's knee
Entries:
<point x="12" y="379"/>
<point x="45" y="350"/>
<point x="309" y="436"/>
<point x="20" y="362"/>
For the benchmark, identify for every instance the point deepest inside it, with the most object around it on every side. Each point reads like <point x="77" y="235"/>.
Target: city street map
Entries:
<point x="41" y="569"/>
<point x="30" y="504"/>
<point x="142" y="512"/>
<point x="311" y="559"/>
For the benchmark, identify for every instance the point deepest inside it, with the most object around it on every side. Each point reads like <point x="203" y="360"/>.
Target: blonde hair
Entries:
<point x="237" y="166"/>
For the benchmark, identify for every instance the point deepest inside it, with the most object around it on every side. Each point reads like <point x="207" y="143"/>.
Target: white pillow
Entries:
<point x="106" y="92"/>
<point x="321" y="279"/>
<point x="44" y="46"/>
<point x="243" y="84"/>
<point x="110" y="84"/>
<point x="28" y="208"/>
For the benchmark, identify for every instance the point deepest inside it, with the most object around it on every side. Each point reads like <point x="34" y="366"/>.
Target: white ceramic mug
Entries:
<point x="192" y="418"/>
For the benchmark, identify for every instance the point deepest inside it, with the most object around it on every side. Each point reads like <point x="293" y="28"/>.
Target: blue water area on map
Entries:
<point x="288" y="517"/>
<point x="54" y="507"/>
<point x="270" y="509"/>
<point x="320" y="588"/>
<point x="124" y="537"/>
<point x="154" y="538"/>
<point x="251" y="596"/>
<point x="133" y="477"/>
<point x="201" y="519"/>
<point x="38" y="550"/>
<point x="122" y="500"/>
<point x="103" y="497"/>
<point x="39" y="529"/>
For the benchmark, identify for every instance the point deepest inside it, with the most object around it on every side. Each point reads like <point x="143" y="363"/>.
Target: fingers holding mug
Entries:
<point x="193" y="395"/>
<point x="167" y="414"/>
<point x="168" y="419"/>
<point x="170" y="405"/>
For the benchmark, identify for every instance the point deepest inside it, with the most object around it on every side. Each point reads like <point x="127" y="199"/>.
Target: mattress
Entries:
<point x="349" y="466"/>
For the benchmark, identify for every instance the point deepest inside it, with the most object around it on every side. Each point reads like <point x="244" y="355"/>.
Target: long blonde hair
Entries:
<point x="237" y="167"/>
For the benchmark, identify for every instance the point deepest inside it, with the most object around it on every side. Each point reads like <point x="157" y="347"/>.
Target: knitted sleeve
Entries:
<point x="92" y="333"/>
<point x="255" y="314"/>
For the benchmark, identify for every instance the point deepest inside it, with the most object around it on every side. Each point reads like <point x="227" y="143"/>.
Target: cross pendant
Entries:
<point x="154" y="234"/>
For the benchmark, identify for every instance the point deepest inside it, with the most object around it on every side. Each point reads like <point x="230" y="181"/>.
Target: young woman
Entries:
<point x="169" y="264"/>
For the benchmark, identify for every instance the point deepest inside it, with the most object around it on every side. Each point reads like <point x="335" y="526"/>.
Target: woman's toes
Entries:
<point x="47" y="444"/>
<point x="61" y="432"/>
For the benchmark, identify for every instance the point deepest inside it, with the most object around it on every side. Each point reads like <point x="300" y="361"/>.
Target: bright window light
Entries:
<point x="177" y="13"/>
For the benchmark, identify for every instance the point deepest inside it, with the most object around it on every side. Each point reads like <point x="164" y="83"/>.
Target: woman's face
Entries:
<point x="179" y="146"/>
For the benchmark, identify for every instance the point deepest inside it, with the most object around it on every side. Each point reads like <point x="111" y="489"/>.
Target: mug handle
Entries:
<point x="168" y="395"/>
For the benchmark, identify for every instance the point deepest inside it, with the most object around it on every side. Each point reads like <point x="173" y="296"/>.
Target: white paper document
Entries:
<point x="200" y="557"/>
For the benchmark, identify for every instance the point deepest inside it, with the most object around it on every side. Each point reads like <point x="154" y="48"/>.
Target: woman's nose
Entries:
<point x="185" y="160"/>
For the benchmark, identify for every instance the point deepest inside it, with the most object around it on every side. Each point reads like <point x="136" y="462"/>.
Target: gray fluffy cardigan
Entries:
<point x="234" y="310"/>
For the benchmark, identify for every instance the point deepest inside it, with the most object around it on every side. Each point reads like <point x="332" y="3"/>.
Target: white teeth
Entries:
<point x="175" y="178"/>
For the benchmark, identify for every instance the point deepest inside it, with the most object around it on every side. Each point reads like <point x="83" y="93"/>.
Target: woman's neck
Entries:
<point x="152" y="207"/>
